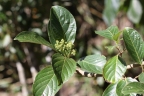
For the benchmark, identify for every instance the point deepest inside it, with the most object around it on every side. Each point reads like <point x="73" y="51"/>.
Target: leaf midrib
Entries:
<point x="87" y="63"/>
<point x="46" y="85"/>
<point x="133" y="46"/>
<point x="63" y="68"/>
<point x="60" y="24"/>
<point x="110" y="33"/>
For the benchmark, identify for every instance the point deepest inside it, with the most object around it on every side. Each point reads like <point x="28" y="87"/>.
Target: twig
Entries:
<point x="97" y="5"/>
<point x="96" y="13"/>
<point x="33" y="72"/>
<point x="89" y="74"/>
<point x="136" y="77"/>
<point x="22" y="78"/>
<point x="134" y="65"/>
<point x="28" y="58"/>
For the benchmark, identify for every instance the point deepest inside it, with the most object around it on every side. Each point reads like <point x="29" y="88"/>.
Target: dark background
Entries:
<point x="20" y="62"/>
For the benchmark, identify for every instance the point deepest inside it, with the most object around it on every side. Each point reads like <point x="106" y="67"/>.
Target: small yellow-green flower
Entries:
<point x="69" y="45"/>
<point x="62" y="41"/>
<point x="65" y="48"/>
<point x="73" y="52"/>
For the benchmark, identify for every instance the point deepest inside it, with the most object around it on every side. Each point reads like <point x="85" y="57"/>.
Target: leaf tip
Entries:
<point x="15" y="38"/>
<point x="127" y="28"/>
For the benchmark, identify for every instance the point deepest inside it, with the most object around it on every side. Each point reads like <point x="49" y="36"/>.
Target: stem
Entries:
<point x="89" y="74"/>
<point x="66" y="53"/>
<point x="22" y="78"/>
<point x="118" y="48"/>
<point x="136" y="77"/>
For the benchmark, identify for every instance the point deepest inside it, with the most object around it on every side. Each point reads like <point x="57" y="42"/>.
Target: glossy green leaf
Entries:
<point x="134" y="44"/>
<point x="110" y="90"/>
<point x="46" y="83"/>
<point x="110" y="10"/>
<point x="63" y="67"/>
<point x="134" y="87"/>
<point x="135" y="11"/>
<point x="62" y="25"/>
<point x="109" y="33"/>
<point x="119" y="87"/>
<point x="93" y="63"/>
<point x="114" y="69"/>
<point x="32" y="37"/>
<point x="114" y="89"/>
<point x="129" y="80"/>
<point x="141" y="77"/>
<point x="121" y="84"/>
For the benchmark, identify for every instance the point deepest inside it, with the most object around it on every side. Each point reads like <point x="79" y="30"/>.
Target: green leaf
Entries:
<point x="109" y="33"/>
<point x="116" y="36"/>
<point x="62" y="25"/>
<point x="110" y="10"/>
<point x="134" y="44"/>
<point x="114" y="89"/>
<point x="129" y="80"/>
<point x="134" y="87"/>
<point x="119" y="87"/>
<point x="110" y="49"/>
<point x="32" y="37"/>
<point x="141" y="77"/>
<point x="122" y="84"/>
<point x="135" y="11"/>
<point x="93" y="63"/>
<point x="63" y="67"/>
<point x="46" y="83"/>
<point x="114" y="69"/>
<point x="110" y="90"/>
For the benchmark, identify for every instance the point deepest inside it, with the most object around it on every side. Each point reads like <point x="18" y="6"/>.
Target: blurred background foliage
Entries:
<point x="20" y="62"/>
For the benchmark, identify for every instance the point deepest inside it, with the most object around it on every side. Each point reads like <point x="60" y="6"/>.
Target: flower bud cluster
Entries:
<point x="66" y="48"/>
